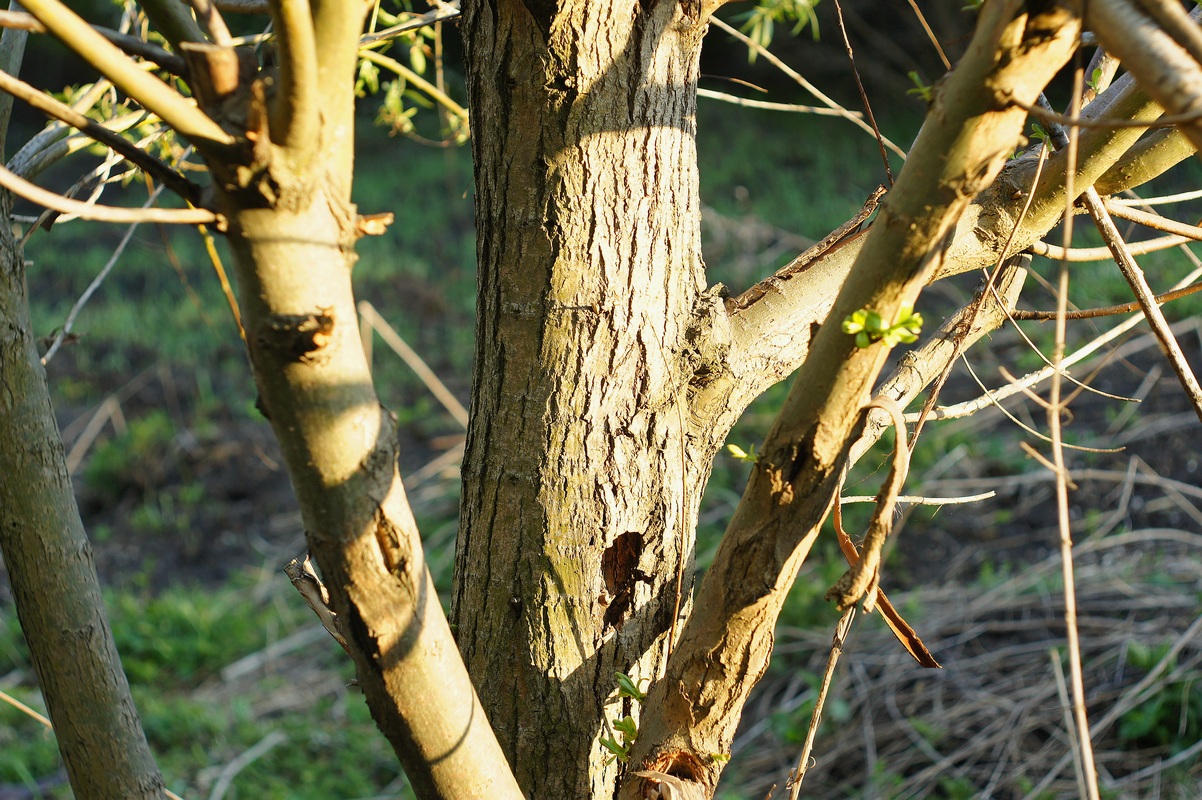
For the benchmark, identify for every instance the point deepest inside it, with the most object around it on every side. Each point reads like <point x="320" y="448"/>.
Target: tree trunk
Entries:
<point x="581" y="476"/>
<point x="52" y="574"/>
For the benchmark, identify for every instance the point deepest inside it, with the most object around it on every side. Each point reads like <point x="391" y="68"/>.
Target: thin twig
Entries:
<point x="930" y="34"/>
<point x="21" y="20"/>
<point x="243" y="761"/>
<point x="64" y="113"/>
<point x="96" y="282"/>
<point x="442" y="98"/>
<point x="1048" y="115"/>
<point x="172" y="216"/>
<point x="154" y="95"/>
<point x="1163" y="199"/>
<point x="851" y="59"/>
<point x="864" y="576"/>
<point x="1059" y="470"/>
<point x="921" y="500"/>
<point x="1155" y="221"/>
<point x="451" y="403"/>
<point x="1147" y="300"/>
<point x="805" y="84"/>
<point x="1110" y="311"/>
<point x="1083" y="254"/>
<point x="842" y="628"/>
<point x="747" y="102"/>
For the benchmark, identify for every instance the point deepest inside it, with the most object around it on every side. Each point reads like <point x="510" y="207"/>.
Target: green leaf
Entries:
<point x="626" y="685"/>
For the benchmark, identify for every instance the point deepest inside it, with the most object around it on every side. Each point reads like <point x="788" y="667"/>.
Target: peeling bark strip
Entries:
<point x="724" y="649"/>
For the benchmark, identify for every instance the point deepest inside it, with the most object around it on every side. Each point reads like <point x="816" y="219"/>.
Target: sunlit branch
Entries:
<point x="809" y="87"/>
<point x="56" y="202"/>
<point x="417" y="80"/>
<point x="1082" y="254"/>
<point x="210" y="19"/>
<point x="20" y="20"/>
<point x="446" y="12"/>
<point x="294" y="120"/>
<point x="64" y="113"/>
<point x="1109" y="311"/>
<point x="187" y="120"/>
<point x="174" y="20"/>
<point x="1154" y="221"/>
<point x="747" y="102"/>
<point x="1162" y="66"/>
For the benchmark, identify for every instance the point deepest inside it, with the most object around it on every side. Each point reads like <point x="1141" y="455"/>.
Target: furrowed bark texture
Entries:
<point x="591" y="323"/>
<point x="292" y="230"/>
<point x="691" y="714"/>
<point x="52" y="574"/>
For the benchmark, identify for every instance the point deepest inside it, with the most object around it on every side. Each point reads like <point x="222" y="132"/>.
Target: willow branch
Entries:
<point x="64" y="113"/>
<point x="294" y="111"/>
<point x="412" y="77"/>
<point x="1147" y="301"/>
<point x="156" y="96"/>
<point x="1109" y="311"/>
<point x="20" y="20"/>
<point x="56" y="202"/>
<point x="1083" y="254"/>
<point x="173" y="19"/>
<point x="1154" y="221"/>
<point x="1162" y="66"/>
<point x="724" y="646"/>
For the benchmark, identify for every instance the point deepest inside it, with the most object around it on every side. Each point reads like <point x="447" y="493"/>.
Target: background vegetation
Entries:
<point x="244" y="696"/>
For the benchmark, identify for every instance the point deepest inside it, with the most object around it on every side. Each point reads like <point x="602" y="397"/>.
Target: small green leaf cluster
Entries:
<point x="750" y="456"/>
<point x="868" y="327"/>
<point x="760" y="23"/>
<point x="920" y="89"/>
<point x="628" y="730"/>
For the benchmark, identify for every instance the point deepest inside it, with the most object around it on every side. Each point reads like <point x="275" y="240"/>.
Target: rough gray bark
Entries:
<point x="52" y="574"/>
<point x="582" y="474"/>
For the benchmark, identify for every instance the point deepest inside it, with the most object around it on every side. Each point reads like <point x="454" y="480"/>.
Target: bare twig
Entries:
<point x="851" y="59"/>
<point x="864" y="576"/>
<point x="95" y="284"/>
<point x="1109" y="311"/>
<point x="412" y="77"/>
<point x="1083" y="254"/>
<point x="21" y="20"/>
<point x="64" y="113"/>
<point x="930" y="34"/>
<point x="1147" y="300"/>
<point x="842" y="628"/>
<point x="1154" y="221"/>
<point x="747" y="102"/>
<point x="805" y="84"/>
<point x="1059" y="469"/>
<point x="921" y="500"/>
<point x="451" y="403"/>
<point x="243" y="761"/>
<point x="172" y="216"/>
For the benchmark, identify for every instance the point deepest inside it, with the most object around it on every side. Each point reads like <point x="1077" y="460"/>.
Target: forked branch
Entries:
<point x="691" y="712"/>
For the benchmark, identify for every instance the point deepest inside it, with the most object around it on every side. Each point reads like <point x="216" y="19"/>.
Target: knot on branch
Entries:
<point x="297" y="337"/>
